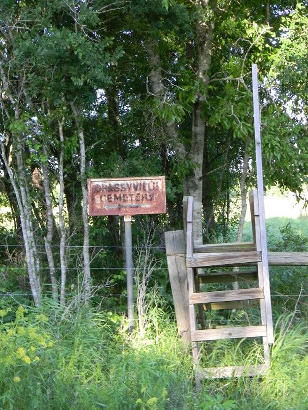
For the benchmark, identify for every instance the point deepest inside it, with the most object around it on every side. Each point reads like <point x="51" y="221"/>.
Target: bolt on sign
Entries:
<point x="127" y="196"/>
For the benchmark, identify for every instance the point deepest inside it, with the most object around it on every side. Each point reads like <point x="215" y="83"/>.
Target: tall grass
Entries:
<point x="88" y="361"/>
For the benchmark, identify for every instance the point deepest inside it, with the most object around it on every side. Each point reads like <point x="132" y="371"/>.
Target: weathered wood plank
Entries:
<point x="223" y="259"/>
<point x="243" y="271"/>
<point x="175" y="243"/>
<point x="232" y="371"/>
<point x="244" y="304"/>
<point x="226" y="295"/>
<point x="260" y="197"/>
<point x="228" y="333"/>
<point x="274" y="258"/>
<point x="225" y="247"/>
<point x="192" y="315"/>
<point x="288" y="258"/>
<point x="213" y="277"/>
<point x="178" y="279"/>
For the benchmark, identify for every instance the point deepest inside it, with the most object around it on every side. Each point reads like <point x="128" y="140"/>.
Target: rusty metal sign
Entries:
<point x="127" y="196"/>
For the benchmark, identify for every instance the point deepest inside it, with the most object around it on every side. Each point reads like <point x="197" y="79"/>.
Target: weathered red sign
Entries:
<point x="127" y="196"/>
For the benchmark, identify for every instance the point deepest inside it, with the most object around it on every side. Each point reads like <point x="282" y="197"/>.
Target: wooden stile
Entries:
<point x="226" y="255"/>
<point x="186" y="294"/>
<point x="186" y="258"/>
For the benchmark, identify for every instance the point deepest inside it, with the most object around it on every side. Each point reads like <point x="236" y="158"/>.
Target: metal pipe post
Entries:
<point x="129" y="271"/>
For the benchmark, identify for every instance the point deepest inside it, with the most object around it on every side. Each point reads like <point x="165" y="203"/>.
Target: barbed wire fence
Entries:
<point x="5" y="268"/>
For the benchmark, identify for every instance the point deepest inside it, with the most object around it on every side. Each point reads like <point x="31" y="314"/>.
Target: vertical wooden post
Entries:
<point x="191" y="273"/>
<point x="175" y="250"/>
<point x="255" y="221"/>
<point x="257" y="128"/>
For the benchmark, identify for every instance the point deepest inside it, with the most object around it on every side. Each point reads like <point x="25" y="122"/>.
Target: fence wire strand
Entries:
<point x="103" y="268"/>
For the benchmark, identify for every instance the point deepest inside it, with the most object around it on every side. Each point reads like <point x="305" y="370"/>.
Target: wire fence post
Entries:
<point x="129" y="271"/>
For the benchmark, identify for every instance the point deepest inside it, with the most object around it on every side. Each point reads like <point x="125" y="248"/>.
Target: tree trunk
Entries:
<point x="220" y="183"/>
<point x="114" y="121"/>
<point x="25" y="219"/>
<point x="73" y="203"/>
<point x="243" y="196"/>
<point x="9" y="191"/>
<point x="49" y="226"/>
<point x="203" y="44"/>
<point x="243" y="189"/>
<point x="208" y="194"/>
<point x="61" y="218"/>
<point x="157" y="90"/>
<point x="20" y="187"/>
<point x="33" y="259"/>
<point x="83" y="177"/>
<point x="194" y="182"/>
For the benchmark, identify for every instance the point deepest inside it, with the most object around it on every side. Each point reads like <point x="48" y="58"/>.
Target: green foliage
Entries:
<point x="96" y="54"/>
<point x="292" y="240"/>
<point x="286" y="384"/>
<point x="289" y="62"/>
<point x="86" y="361"/>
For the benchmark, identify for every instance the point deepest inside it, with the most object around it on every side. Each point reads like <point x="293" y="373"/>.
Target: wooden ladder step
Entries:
<point x="232" y="371"/>
<point x="226" y="295"/>
<point x="244" y="304"/>
<point x="199" y="260"/>
<point x="225" y="247"/>
<point x="225" y="276"/>
<point x="228" y="333"/>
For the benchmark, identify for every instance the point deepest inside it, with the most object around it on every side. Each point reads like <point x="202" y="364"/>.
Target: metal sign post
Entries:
<point x="127" y="197"/>
<point x="129" y="270"/>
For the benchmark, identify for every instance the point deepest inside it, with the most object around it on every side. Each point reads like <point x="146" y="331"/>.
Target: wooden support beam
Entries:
<point x="228" y="333"/>
<point x="226" y="295"/>
<point x="288" y="258"/>
<point x="175" y="244"/>
<point x="274" y="258"/>
<point x="263" y="267"/>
